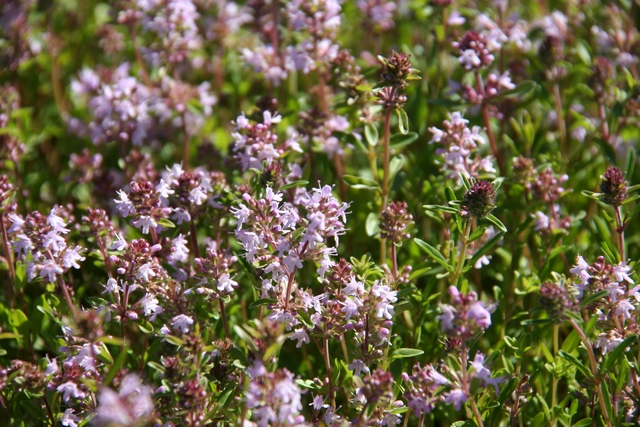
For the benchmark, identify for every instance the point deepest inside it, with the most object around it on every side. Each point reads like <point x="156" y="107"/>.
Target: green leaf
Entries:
<point x="174" y="340"/>
<point x="359" y="182"/>
<point x="522" y="88"/>
<point x="593" y="298"/>
<point x="399" y="140"/>
<point x="434" y="253"/>
<point x="607" y="150"/>
<point x="115" y="368"/>
<point x="364" y="88"/>
<point x="477" y="233"/>
<point x="308" y="384"/>
<point x="246" y="337"/>
<point x="450" y="194"/>
<point x="613" y="357"/>
<point x="485" y="248"/>
<point x="438" y="208"/>
<point x="495" y="221"/>
<point x="631" y="163"/>
<point x="109" y="339"/>
<point x="406" y="352"/>
<point x="571" y="343"/>
<point x="403" y="121"/>
<point x="261" y="302"/>
<point x="506" y="391"/>
<point x="298" y="183"/>
<point x="444" y="102"/>
<point x="145" y="326"/>
<point x="578" y="364"/>
<point x="166" y="223"/>
<point x="395" y="166"/>
<point x="371" y="225"/>
<point x="371" y="134"/>
<point x="583" y="423"/>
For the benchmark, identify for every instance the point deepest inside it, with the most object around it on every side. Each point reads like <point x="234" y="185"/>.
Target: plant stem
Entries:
<point x="9" y="257"/>
<point x="487" y="124"/>
<point x="620" y="231"/>
<point x="139" y="60"/>
<point x="67" y="297"/>
<point x="223" y="316"/>
<point x="562" y="128"/>
<point x="194" y="238"/>
<point x="463" y="253"/>
<point x="554" y="382"/>
<point x="394" y="262"/>
<point x="604" y="126"/>
<point x="465" y="384"/>
<point x="291" y="277"/>
<point x="186" y="147"/>
<point x="327" y="364"/>
<point x="594" y="369"/>
<point x="385" y="176"/>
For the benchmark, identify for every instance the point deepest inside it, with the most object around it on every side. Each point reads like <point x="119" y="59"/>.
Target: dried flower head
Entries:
<point x="473" y="51"/>
<point x="397" y="69"/>
<point x="555" y="299"/>
<point x="479" y="200"/>
<point x="395" y="222"/>
<point x="614" y="187"/>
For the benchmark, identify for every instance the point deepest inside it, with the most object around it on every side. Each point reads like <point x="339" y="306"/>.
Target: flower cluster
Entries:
<point x="274" y="397"/>
<point x="617" y="307"/>
<point x="429" y="386"/>
<point x="257" y="143"/>
<point x="41" y="241"/>
<point x="459" y="143"/>
<point x="465" y="317"/>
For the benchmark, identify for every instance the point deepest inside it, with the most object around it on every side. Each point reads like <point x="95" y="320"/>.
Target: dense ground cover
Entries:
<point x="319" y="213"/>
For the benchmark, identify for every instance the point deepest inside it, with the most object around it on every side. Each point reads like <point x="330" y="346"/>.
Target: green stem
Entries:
<point x="554" y="383"/>
<point x="463" y="253"/>
<point x="465" y="384"/>
<point x="594" y="368"/>
<point x="620" y="231"/>
<point x="9" y="255"/>
<point x="385" y="176"/>
<point x="327" y="363"/>
<point x="487" y="124"/>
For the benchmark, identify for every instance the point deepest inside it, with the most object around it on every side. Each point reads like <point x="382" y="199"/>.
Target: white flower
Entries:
<point x="542" y="221"/>
<point x="225" y="284"/>
<point x="71" y="257"/>
<point x="621" y="273"/>
<point x="118" y="244"/>
<point x="56" y="222"/>
<point x="581" y="270"/>
<point x="127" y="407"/>
<point x="124" y="205"/>
<point x="69" y="390"/>
<point x="358" y="367"/>
<point x="181" y="215"/>
<point x="182" y="322"/>
<point x="164" y="189"/>
<point x="49" y="269"/>
<point x="69" y="419"/>
<point x="52" y="367"/>
<point x="144" y="222"/>
<point x="150" y="307"/>
<point x="144" y="272"/>
<point x="301" y="335"/>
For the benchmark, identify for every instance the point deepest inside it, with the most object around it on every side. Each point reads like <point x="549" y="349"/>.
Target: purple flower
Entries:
<point x="456" y="396"/>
